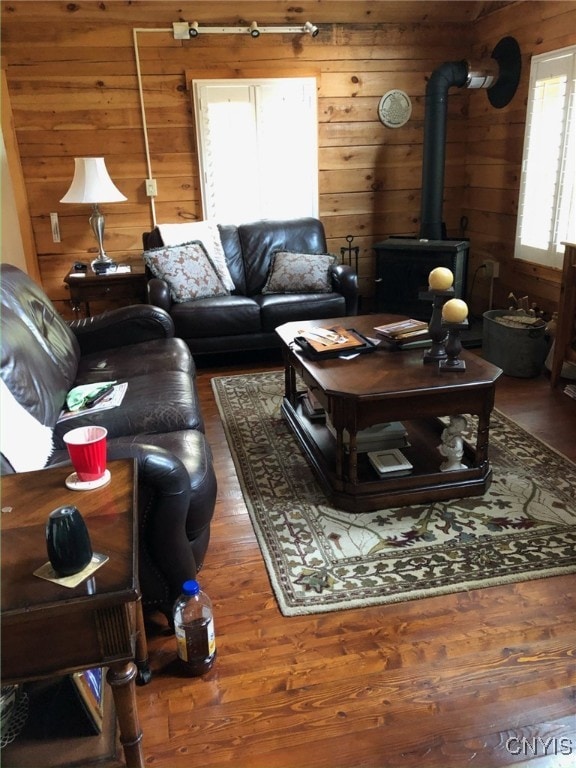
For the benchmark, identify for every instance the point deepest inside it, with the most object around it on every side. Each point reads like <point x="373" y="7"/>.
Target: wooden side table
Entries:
<point x="123" y="287"/>
<point x="49" y="630"/>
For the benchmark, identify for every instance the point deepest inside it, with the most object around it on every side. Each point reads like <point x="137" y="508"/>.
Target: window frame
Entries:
<point x="544" y="67"/>
<point x="260" y="89"/>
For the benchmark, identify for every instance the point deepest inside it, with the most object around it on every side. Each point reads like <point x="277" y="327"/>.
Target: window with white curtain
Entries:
<point x="547" y="215"/>
<point x="257" y="148"/>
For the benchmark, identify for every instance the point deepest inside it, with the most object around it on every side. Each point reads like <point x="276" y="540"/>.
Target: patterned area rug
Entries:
<point x="323" y="559"/>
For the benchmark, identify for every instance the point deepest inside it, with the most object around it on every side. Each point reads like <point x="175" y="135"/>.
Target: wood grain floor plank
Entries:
<point x="477" y="678"/>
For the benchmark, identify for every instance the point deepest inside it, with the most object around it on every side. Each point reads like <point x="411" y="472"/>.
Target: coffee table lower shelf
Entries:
<point x="425" y="484"/>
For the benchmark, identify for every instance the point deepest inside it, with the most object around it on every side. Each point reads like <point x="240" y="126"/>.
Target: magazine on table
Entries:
<point x="319" y="343"/>
<point x="330" y="339"/>
<point x="110" y="399"/>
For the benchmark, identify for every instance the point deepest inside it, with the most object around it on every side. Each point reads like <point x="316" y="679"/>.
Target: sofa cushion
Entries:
<point x="206" y="232"/>
<point x="187" y="269"/>
<point x="260" y="239"/>
<point x="299" y="273"/>
<point x="277" y="309"/>
<point x="221" y="316"/>
<point x="130" y="360"/>
<point x="164" y="402"/>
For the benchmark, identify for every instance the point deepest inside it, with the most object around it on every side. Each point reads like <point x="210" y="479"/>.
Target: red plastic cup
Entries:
<point x="87" y="449"/>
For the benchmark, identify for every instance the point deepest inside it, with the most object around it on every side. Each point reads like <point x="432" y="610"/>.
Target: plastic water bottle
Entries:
<point x="194" y="629"/>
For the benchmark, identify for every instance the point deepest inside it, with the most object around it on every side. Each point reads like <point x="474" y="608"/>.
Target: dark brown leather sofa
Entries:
<point x="159" y="421"/>
<point x="246" y="318"/>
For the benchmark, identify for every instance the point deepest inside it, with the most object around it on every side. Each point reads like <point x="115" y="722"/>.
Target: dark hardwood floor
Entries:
<point x="484" y="679"/>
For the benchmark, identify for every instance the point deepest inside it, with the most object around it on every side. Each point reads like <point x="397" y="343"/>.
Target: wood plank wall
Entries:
<point x="494" y="153"/>
<point x="71" y="73"/>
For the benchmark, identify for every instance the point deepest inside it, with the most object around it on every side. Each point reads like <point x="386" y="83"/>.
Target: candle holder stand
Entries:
<point x="453" y="347"/>
<point x="437" y="331"/>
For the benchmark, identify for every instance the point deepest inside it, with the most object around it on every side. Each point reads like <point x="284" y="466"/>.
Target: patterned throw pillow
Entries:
<point x="187" y="269"/>
<point x="299" y="273"/>
<point x="205" y="232"/>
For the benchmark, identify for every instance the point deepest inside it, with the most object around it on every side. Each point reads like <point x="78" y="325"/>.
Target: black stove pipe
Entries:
<point x="451" y="73"/>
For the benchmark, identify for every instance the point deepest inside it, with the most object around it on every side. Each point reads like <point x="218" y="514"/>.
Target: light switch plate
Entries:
<point x="55" y="226"/>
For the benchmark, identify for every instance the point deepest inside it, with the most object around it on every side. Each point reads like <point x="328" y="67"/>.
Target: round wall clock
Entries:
<point x="394" y="109"/>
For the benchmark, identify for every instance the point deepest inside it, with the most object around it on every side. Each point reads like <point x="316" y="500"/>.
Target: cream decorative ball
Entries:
<point x="440" y="279"/>
<point x="455" y="311"/>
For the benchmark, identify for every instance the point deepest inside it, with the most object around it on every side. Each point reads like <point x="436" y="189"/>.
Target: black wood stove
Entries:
<point x="404" y="263"/>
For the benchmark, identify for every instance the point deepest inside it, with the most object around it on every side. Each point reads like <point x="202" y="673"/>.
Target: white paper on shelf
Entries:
<point x="391" y="460"/>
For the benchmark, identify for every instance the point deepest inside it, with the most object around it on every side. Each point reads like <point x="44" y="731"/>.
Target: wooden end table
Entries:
<point x="124" y="287"/>
<point x="385" y="386"/>
<point x="49" y="630"/>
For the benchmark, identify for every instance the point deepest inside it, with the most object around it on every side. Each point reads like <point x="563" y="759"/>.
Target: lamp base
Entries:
<point x="102" y="263"/>
<point x="101" y="266"/>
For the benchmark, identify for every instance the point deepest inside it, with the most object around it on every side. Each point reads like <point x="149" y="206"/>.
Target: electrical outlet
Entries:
<point x="491" y="268"/>
<point x="55" y="226"/>
<point x="151" y="188"/>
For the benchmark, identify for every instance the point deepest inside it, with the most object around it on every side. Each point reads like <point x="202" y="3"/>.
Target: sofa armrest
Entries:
<point x="345" y="281"/>
<point x="159" y="293"/>
<point x="164" y="499"/>
<point x="164" y="503"/>
<point x="123" y="326"/>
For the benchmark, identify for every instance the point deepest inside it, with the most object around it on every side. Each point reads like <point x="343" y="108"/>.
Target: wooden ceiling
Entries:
<point x="345" y="11"/>
<point x="368" y="11"/>
<point x="350" y="12"/>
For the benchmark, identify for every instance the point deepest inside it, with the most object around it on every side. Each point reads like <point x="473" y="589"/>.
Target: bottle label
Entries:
<point x="195" y="640"/>
<point x="211" y="637"/>
<point x="180" y="633"/>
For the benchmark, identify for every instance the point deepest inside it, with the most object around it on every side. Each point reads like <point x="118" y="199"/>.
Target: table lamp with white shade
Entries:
<point x="92" y="184"/>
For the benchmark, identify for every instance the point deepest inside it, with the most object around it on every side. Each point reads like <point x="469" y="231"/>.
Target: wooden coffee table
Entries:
<point x="383" y="386"/>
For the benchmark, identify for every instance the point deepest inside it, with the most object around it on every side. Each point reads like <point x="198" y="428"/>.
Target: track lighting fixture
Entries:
<point x="183" y="30"/>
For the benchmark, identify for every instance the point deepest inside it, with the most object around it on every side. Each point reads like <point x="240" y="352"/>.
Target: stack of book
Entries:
<point x="404" y="332"/>
<point x="391" y="434"/>
<point x="312" y="407"/>
<point x="390" y="463"/>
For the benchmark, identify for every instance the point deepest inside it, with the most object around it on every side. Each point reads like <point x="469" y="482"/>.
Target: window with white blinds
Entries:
<point x="257" y="148"/>
<point x="546" y="214"/>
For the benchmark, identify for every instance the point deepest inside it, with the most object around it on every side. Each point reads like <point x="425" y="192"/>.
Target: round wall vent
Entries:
<point x="394" y="109"/>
